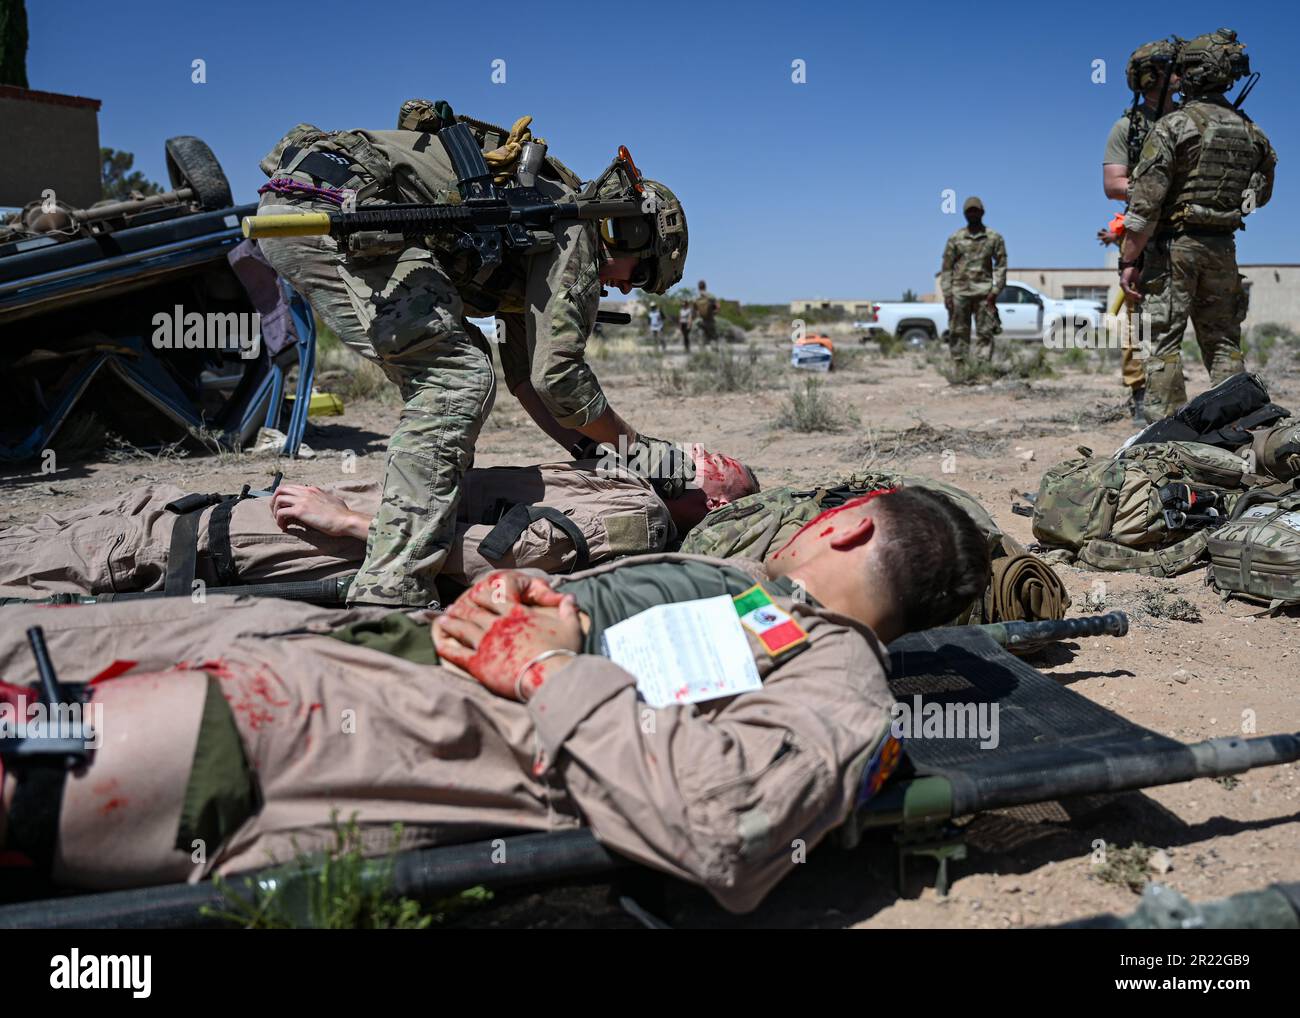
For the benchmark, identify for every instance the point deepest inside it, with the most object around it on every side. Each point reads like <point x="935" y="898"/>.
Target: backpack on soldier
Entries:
<point x="1141" y="510"/>
<point x="1256" y="555"/>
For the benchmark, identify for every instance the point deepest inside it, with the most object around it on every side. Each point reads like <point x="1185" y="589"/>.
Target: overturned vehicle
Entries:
<point x="149" y="320"/>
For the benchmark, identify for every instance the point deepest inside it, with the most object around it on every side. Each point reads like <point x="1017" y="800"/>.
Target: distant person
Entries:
<point x="1152" y="81"/>
<point x="705" y="307"/>
<point x="1203" y="166"/>
<point x="684" y="323"/>
<point x="974" y="273"/>
<point x="657" y="327"/>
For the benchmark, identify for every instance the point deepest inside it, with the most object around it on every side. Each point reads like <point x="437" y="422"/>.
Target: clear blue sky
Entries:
<point x="829" y="188"/>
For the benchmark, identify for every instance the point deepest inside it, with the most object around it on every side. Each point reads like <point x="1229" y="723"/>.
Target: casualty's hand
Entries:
<point x="499" y="628"/>
<point x="1130" y="281"/>
<point x="310" y="507"/>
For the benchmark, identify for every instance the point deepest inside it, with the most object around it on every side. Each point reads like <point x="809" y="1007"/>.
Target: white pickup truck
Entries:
<point x="1026" y="313"/>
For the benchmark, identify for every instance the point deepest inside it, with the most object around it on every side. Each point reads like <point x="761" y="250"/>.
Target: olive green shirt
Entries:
<point x="606" y="598"/>
<point x="1117" y="141"/>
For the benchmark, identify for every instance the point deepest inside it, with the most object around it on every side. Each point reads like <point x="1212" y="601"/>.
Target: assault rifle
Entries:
<point x="485" y="218"/>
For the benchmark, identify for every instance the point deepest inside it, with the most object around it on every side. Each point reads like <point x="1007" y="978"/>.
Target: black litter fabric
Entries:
<point x="1051" y="741"/>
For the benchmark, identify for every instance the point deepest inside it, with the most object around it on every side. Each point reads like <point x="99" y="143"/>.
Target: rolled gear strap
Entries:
<point x="425" y="115"/>
<point x="1024" y="588"/>
<point x="503" y="536"/>
<point x="1108" y="556"/>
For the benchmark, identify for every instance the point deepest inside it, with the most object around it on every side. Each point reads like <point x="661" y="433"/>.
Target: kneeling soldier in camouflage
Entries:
<point x="402" y="302"/>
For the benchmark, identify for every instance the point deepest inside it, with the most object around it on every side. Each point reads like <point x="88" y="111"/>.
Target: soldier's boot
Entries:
<point x="1136" y="400"/>
<point x="1166" y="391"/>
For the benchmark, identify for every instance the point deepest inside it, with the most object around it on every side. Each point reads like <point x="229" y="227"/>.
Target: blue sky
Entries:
<point x="829" y="188"/>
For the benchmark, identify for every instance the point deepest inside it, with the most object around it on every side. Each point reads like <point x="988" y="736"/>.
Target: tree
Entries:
<point x="118" y="177"/>
<point x="909" y="296"/>
<point x="13" y="43"/>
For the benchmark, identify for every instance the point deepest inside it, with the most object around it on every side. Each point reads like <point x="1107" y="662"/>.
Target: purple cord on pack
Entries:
<point x="287" y="185"/>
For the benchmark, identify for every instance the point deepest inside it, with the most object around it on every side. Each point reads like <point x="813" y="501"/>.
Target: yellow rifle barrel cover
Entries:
<point x="297" y="224"/>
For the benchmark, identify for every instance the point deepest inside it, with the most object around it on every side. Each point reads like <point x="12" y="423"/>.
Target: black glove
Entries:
<point x="585" y="449"/>
<point x="666" y="466"/>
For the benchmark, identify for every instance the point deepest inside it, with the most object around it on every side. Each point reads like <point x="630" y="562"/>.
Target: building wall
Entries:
<point x="849" y="307"/>
<point x="51" y="142"/>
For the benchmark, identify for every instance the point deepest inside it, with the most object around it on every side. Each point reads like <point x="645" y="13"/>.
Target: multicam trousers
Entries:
<point x="1190" y="277"/>
<point x="986" y="324"/>
<point x="401" y="311"/>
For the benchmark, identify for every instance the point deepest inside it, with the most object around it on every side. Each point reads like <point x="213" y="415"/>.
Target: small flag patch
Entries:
<point x="775" y="628"/>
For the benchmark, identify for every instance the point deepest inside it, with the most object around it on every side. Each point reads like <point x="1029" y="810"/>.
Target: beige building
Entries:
<point x="51" y="144"/>
<point x="849" y="307"/>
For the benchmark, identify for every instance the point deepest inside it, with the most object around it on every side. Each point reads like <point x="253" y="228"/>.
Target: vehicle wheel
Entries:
<point x="190" y="163"/>
<point x="915" y="335"/>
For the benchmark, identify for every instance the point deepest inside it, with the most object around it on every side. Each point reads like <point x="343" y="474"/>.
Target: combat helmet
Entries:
<point x="665" y="261"/>
<point x="1211" y="63"/>
<point x="1149" y="63"/>
<point x="657" y="238"/>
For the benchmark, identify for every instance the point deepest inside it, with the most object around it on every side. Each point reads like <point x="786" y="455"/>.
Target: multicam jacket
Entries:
<point x="974" y="264"/>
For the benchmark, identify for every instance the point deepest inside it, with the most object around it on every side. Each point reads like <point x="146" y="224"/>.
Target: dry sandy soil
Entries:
<point x="1186" y="680"/>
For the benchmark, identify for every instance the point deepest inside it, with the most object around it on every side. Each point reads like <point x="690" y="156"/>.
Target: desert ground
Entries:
<point x="1189" y="668"/>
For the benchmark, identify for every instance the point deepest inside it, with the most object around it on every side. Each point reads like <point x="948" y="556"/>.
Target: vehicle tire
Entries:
<point x="190" y="163"/>
<point x="915" y="335"/>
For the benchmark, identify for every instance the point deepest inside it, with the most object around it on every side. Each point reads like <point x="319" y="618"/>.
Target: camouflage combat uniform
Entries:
<point x="974" y="267"/>
<point x="1189" y="186"/>
<point x="705" y="306"/>
<point x="406" y="309"/>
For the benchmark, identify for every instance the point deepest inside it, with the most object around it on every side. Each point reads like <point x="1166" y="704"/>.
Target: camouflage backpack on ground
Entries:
<point x="1119" y="513"/>
<point x="1256" y="555"/>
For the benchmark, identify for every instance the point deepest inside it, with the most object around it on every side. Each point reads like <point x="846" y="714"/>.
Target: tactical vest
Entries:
<point x="1210" y="195"/>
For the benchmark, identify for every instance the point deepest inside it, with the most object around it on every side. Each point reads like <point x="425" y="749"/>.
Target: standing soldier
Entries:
<point x="1151" y="77"/>
<point x="1203" y="167"/>
<point x="974" y="273"/>
<point x="684" y="323"/>
<point x="403" y="303"/>
<point x="705" y="306"/>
